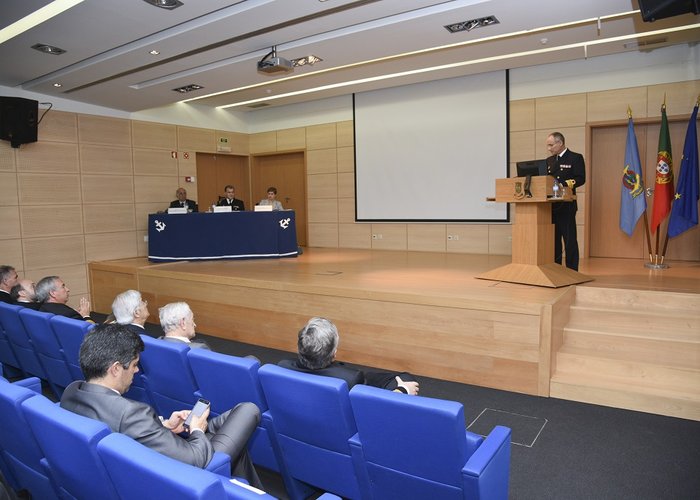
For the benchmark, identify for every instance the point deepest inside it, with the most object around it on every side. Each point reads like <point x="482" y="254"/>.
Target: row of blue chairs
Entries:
<point x="56" y="454"/>
<point x="364" y="443"/>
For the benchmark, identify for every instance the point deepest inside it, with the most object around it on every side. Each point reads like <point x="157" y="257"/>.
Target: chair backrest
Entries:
<point x="48" y="348"/>
<point x="171" y="384"/>
<point x="7" y="353"/>
<point x="228" y="380"/>
<point x="20" y="450"/>
<point x="20" y="341"/>
<point x="137" y="472"/>
<point x="397" y="433"/>
<point x="311" y="418"/>
<point x="69" y="442"/>
<point x="70" y="334"/>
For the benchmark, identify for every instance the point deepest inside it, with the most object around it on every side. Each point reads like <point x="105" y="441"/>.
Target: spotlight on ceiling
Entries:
<point x="471" y="24"/>
<point x="309" y="60"/>
<point x="188" y="88"/>
<point x="48" y="49"/>
<point x="271" y="63"/>
<point x="164" y="4"/>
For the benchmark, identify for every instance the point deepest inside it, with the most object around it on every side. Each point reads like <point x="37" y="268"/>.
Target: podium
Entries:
<point x="533" y="235"/>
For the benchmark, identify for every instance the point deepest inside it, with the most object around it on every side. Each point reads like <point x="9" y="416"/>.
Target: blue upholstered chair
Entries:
<point x="139" y="472"/>
<point x="312" y="424"/>
<point x="417" y="447"/>
<point x="169" y="378"/>
<point x="7" y="356"/>
<point x="19" y="339"/>
<point x="69" y="442"/>
<point x="70" y="334"/>
<point x="20" y="450"/>
<point x="226" y="381"/>
<point x="38" y="327"/>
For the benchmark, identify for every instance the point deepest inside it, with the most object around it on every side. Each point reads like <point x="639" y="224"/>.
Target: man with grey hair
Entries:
<point x="53" y="295"/>
<point x="8" y="279"/>
<point x="317" y="345"/>
<point x="23" y="294"/>
<point x="129" y="309"/>
<point x="177" y="321"/>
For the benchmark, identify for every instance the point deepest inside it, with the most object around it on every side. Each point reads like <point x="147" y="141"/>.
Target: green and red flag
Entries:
<point x="663" y="187"/>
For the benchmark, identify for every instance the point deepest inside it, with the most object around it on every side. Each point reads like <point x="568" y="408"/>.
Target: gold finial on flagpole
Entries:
<point x="663" y="106"/>
<point x="629" y="110"/>
<point x="697" y="103"/>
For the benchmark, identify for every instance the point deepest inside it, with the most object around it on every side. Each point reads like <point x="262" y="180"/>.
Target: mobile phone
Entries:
<point x="199" y="407"/>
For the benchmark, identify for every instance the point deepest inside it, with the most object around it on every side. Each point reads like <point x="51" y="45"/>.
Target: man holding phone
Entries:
<point x="109" y="357"/>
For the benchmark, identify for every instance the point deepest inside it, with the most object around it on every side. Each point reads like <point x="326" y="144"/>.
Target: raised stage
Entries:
<point x="416" y="311"/>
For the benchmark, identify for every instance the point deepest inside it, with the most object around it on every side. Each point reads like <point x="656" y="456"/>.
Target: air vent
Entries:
<point x="188" y="88"/>
<point x="645" y="43"/>
<point x="48" y="49"/>
<point x="471" y="24"/>
<point x="258" y="105"/>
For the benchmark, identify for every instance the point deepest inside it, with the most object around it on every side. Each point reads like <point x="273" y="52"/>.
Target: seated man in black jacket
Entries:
<point x="183" y="202"/>
<point x="317" y="345"/>
<point x="53" y="295"/>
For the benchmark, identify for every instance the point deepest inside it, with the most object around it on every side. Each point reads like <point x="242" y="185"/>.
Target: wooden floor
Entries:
<point x="415" y="311"/>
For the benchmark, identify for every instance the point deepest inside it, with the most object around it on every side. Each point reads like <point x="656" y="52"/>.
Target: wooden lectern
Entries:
<point x="533" y="235"/>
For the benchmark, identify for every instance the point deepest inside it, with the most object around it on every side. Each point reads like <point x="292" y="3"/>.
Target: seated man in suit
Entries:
<point x="177" y="321"/>
<point x="53" y="295"/>
<point x="23" y="294"/>
<point x="130" y="310"/>
<point x="8" y="279"/>
<point x="230" y="200"/>
<point x="109" y="357"/>
<point x="317" y="344"/>
<point x="182" y="201"/>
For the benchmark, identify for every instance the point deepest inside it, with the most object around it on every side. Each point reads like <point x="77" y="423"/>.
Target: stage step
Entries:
<point x="638" y="350"/>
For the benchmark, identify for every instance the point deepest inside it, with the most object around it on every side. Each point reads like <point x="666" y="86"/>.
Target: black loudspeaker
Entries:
<point x="659" y="9"/>
<point x="18" y="120"/>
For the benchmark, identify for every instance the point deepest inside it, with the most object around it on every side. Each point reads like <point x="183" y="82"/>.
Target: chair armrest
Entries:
<point x="487" y="472"/>
<point x="359" y="465"/>
<point x="220" y="464"/>
<point x="473" y="442"/>
<point x="33" y="383"/>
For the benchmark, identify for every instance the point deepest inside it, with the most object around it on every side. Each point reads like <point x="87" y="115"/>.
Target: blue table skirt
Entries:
<point x="211" y="236"/>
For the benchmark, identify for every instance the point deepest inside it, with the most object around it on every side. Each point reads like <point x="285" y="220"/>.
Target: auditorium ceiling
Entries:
<point x="131" y="55"/>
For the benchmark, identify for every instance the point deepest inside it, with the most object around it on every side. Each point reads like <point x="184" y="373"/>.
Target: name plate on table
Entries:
<point x="177" y="210"/>
<point x="263" y="208"/>
<point x="227" y="208"/>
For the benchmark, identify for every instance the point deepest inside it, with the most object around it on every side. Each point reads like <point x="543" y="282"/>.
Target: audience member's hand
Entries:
<point x="176" y="421"/>
<point x="84" y="307"/>
<point x="199" y="422"/>
<point x="411" y="387"/>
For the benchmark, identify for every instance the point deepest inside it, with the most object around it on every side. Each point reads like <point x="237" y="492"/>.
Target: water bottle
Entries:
<point x="555" y="189"/>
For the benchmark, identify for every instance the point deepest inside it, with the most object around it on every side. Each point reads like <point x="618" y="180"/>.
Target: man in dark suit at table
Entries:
<point x="109" y="357"/>
<point x="183" y="202"/>
<point x="230" y="200"/>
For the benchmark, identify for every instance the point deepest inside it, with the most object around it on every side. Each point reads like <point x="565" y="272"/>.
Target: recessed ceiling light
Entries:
<point x="188" y="88"/>
<point x="154" y="52"/>
<point x="165" y="4"/>
<point x="303" y="61"/>
<point x="58" y="85"/>
<point x="48" y="49"/>
<point x="471" y="24"/>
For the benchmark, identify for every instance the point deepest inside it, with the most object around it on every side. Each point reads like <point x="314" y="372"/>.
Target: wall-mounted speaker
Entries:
<point x="659" y="9"/>
<point x="18" y="120"/>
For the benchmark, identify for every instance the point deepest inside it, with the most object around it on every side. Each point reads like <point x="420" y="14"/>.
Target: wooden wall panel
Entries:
<point x="612" y="104"/>
<point x="10" y="222"/>
<point x="323" y="210"/>
<point x="680" y="98"/>
<point x="54" y="221"/>
<point x="322" y="186"/>
<point x="291" y="139"/>
<point x="53" y="157"/>
<point x="345" y="134"/>
<point x="321" y="161"/>
<point x="263" y="142"/>
<point x="142" y="210"/>
<point x="121" y="189"/>
<point x="57" y="189"/>
<point x="194" y="140"/>
<point x="154" y="135"/>
<point x="109" y="218"/>
<point x="346" y="159"/>
<point x="426" y="237"/>
<point x="346" y="185"/>
<point x="49" y="253"/>
<point x="58" y="126"/>
<point x="75" y="278"/>
<point x="154" y="162"/>
<point x="346" y="210"/>
<point x="187" y="167"/>
<point x="105" y="160"/>
<point x="321" y="136"/>
<point x="500" y="240"/>
<point x="323" y="235"/>
<point x="104" y="130"/>
<point x="389" y="236"/>
<point x="107" y="246"/>
<point x="8" y="189"/>
<point x="7" y="157"/>
<point x="152" y="189"/>
<point x="554" y="113"/>
<point x="471" y="238"/>
<point x="355" y="236"/>
<point x="11" y="251"/>
<point x="522" y="115"/>
<point x="522" y="146"/>
<point x="142" y="243"/>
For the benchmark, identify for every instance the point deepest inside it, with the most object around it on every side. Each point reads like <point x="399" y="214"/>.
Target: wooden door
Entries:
<point x="286" y="172"/>
<point x="214" y="171"/>
<point x="607" y="159"/>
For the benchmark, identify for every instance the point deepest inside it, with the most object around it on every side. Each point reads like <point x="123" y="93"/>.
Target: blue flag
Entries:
<point x="684" y="211"/>
<point x="632" y="201"/>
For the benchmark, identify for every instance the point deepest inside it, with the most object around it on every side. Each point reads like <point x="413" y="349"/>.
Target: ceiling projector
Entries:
<point x="275" y="65"/>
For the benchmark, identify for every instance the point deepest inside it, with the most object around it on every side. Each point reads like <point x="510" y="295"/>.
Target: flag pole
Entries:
<point x="647" y="234"/>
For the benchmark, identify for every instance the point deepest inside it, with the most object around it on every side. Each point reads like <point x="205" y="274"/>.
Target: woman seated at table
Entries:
<point x="271" y="199"/>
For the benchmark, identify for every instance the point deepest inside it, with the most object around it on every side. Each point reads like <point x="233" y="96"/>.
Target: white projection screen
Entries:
<point x="432" y="151"/>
